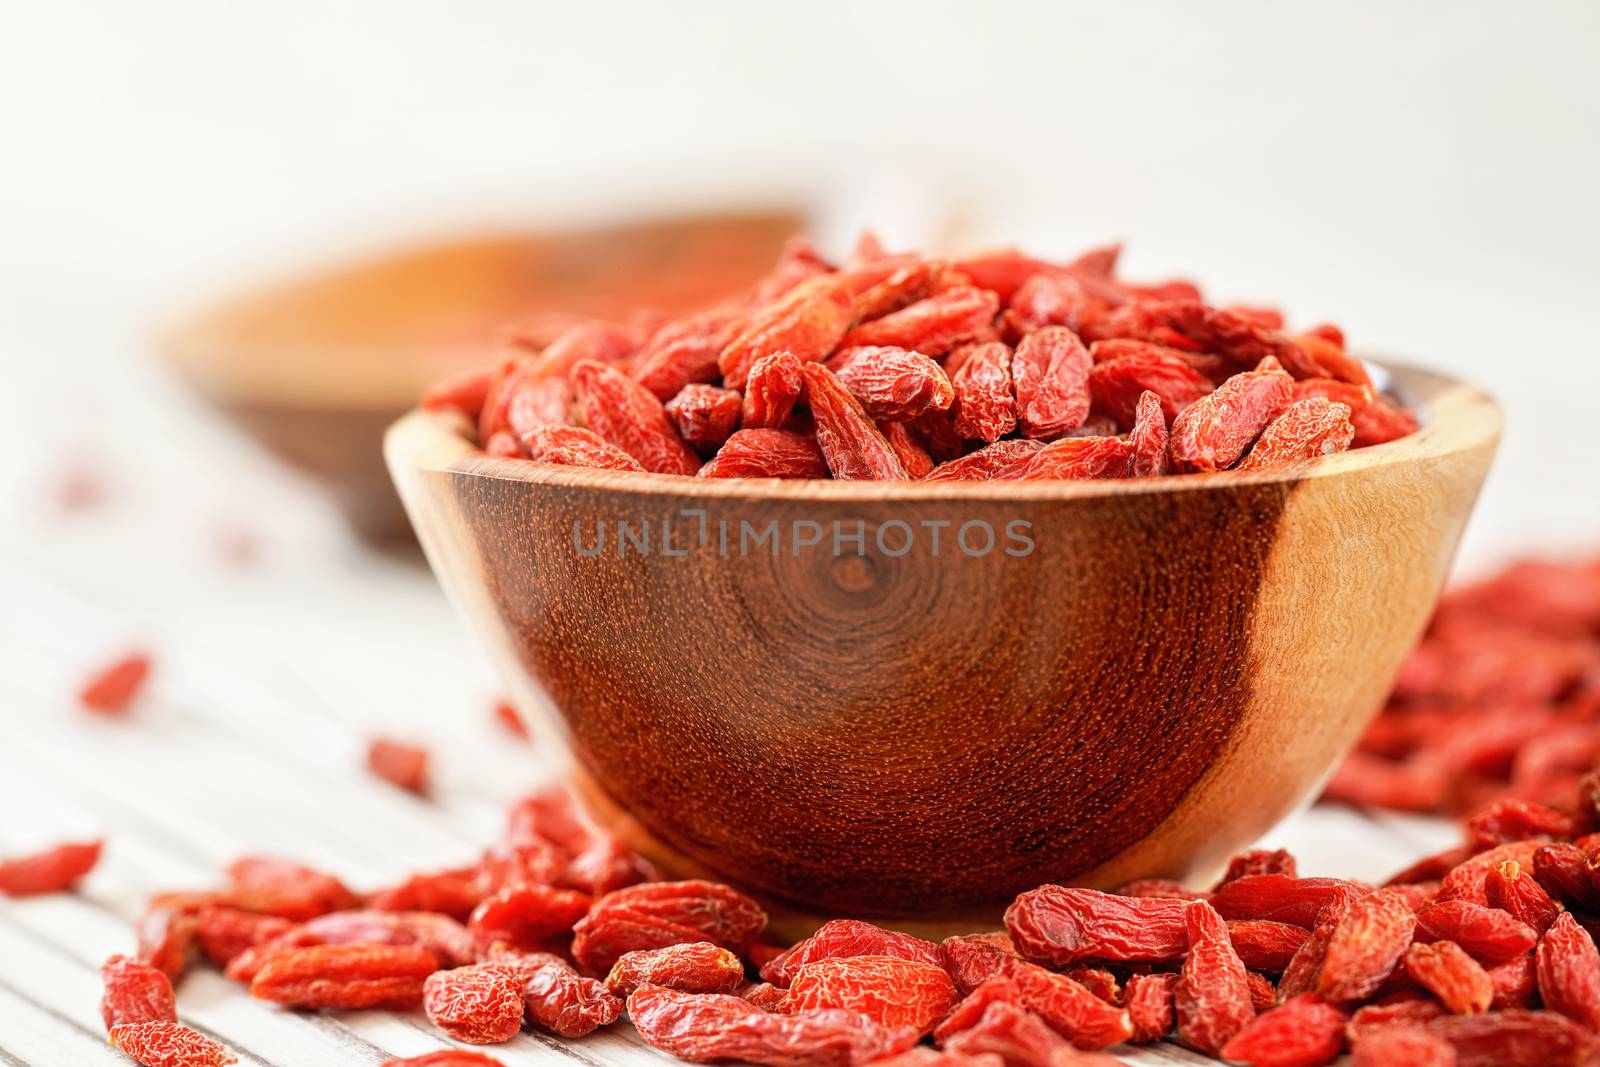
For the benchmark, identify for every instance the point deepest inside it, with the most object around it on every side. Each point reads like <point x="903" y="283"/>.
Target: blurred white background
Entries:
<point x="1422" y="174"/>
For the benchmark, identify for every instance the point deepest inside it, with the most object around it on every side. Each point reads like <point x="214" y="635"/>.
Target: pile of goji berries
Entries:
<point x="1501" y="698"/>
<point x="1483" y="955"/>
<point x="900" y="366"/>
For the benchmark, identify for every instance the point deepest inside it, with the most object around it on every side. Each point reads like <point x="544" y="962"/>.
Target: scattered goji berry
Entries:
<point x="464" y="392"/>
<point x="273" y="886"/>
<point x="985" y="408"/>
<point x="1149" y="439"/>
<point x="839" y="938"/>
<point x="705" y="415"/>
<point x="168" y="1044"/>
<point x="658" y="914"/>
<point x="1264" y="945"/>
<point x="481" y="1004"/>
<point x="1486" y="933"/>
<point x="1401" y="1046"/>
<point x="1512" y="1038"/>
<point x="574" y="446"/>
<point x="1148" y="998"/>
<point x="850" y="442"/>
<point x="1568" y="971"/>
<point x="452" y="892"/>
<point x="1513" y="890"/>
<point x="135" y="993"/>
<point x="52" y="871"/>
<point x="1069" y="1008"/>
<point x="1366" y="945"/>
<point x="894" y="384"/>
<point x="699" y="967"/>
<point x="1212" y="999"/>
<point x="223" y="933"/>
<point x="765" y="453"/>
<point x="113" y="688"/>
<point x="1080" y="457"/>
<point x="773" y="388"/>
<point x="1050" y="371"/>
<point x="450" y="942"/>
<point x="932" y="326"/>
<point x="808" y="321"/>
<point x="557" y="998"/>
<point x="1001" y="460"/>
<point x="627" y="415"/>
<point x="1278" y="897"/>
<point x="1306" y="429"/>
<point x="527" y="916"/>
<point x="399" y="763"/>
<point x="451" y="1057"/>
<point x="1444" y="969"/>
<point x="1060" y="926"/>
<point x="1304" y="1031"/>
<point x="898" y="994"/>
<point x="346" y="977"/>
<point x="685" y="352"/>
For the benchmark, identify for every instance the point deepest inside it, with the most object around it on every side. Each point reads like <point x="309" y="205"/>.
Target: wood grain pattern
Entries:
<point x="1171" y="670"/>
<point x="315" y="368"/>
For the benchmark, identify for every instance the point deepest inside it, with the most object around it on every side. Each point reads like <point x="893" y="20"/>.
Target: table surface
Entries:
<point x="271" y="674"/>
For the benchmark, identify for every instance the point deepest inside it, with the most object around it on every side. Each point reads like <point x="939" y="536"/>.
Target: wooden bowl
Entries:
<point x="316" y="368"/>
<point x="1176" y="665"/>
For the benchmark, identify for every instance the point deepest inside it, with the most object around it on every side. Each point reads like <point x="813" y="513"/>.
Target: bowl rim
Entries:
<point x="1455" y="416"/>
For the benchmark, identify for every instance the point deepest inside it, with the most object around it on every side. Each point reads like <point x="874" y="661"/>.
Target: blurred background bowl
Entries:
<point x="315" y="368"/>
<point x="1176" y="665"/>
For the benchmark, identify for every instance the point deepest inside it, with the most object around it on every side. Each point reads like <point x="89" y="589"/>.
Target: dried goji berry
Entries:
<point x="400" y="763"/>
<point x="1278" y="897"/>
<point x="1056" y="298"/>
<point x="1487" y="933"/>
<point x="629" y="416"/>
<point x="773" y="387"/>
<point x="135" y="993"/>
<point x="1050" y="371"/>
<point x="700" y="967"/>
<point x="1015" y="1035"/>
<point x="557" y="998"/>
<point x="1465" y="881"/>
<point x="481" y="1005"/>
<point x="51" y="871"/>
<point x="808" y="321"/>
<point x="896" y="993"/>
<point x="1069" y="1008"/>
<point x="798" y="262"/>
<point x="535" y="402"/>
<point x="168" y="1044"/>
<point x="1214" y="431"/>
<point x="840" y="938"/>
<point x="1001" y="460"/>
<point x="1264" y="945"/>
<point x="705" y="415"/>
<point x="1568" y="970"/>
<point x="1445" y="970"/>
<point x="223" y="933"/>
<point x="906" y="286"/>
<point x="1212" y="998"/>
<point x="766" y="996"/>
<point x="346" y="977"/>
<point x="1303" y="1031"/>
<point x="588" y="340"/>
<point x="1516" y="983"/>
<point x="1381" y="421"/>
<point x="507" y="716"/>
<point x="1080" y="457"/>
<point x="1259" y="861"/>
<point x="1513" y="890"/>
<point x="1117" y="384"/>
<point x="166" y="931"/>
<point x="113" y="688"/>
<point x="1097" y="980"/>
<point x="658" y="914"/>
<point x="1060" y="926"/>
<point x="1564" y="872"/>
<point x="1512" y="1038"/>
<point x="893" y="383"/>
<point x="1157" y="887"/>
<point x="1002" y="271"/>
<point x="932" y="326"/>
<point x="850" y="442"/>
<point x="1149" y="439"/>
<point x="1148" y="998"/>
<point x="452" y="892"/>
<point x="525" y="917"/>
<point x="985" y="408"/>
<point x="684" y="352"/>
<point x="1401" y="1046"/>
<point x="464" y="392"/>
<point x="913" y="457"/>
<point x="280" y="887"/>
<point x="449" y="941"/>
<point x="1306" y="429"/>
<point x="1366" y="945"/>
<point x="713" y="1026"/>
<point x="765" y="453"/>
<point x="574" y="446"/>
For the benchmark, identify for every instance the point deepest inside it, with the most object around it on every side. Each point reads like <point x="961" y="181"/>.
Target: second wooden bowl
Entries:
<point x="921" y="699"/>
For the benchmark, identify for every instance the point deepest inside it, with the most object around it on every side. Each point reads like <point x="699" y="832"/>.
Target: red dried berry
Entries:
<point x="899" y="994"/>
<point x="1117" y="384"/>
<point x="113" y="688"/>
<point x="629" y="416"/>
<point x="1080" y="457"/>
<point x="464" y="392"/>
<point x="1487" y="933"/>
<point x="1568" y="970"/>
<point x="1511" y="889"/>
<point x="658" y="914"/>
<point x="52" y="871"/>
<point x="1564" y="872"/>
<point x="166" y="931"/>
<point x="710" y="1026"/>
<point x="840" y="938"/>
<point x="913" y="457"/>
<point x="481" y="1004"/>
<point x="766" y="996"/>
<point x="1001" y="460"/>
<point x="1214" y="431"/>
<point x="1149" y="440"/>
<point x="1512" y="1039"/>
<point x="1266" y="946"/>
<point x="893" y="383"/>
<point x="1278" y="897"/>
<point x="1050" y="371"/>
<point x="135" y="993"/>
<point x="767" y="454"/>
<point x="449" y="941"/>
<point x="399" y="763"/>
<point x="1401" y="1046"/>
<point x="1148" y="998"/>
<point x="167" y="1044"/>
<point x="1069" y="1008"/>
<point x="773" y="388"/>
<point x="535" y="402"/>
<point x="685" y="351"/>
<point x="932" y="326"/>
<point x="850" y="442"/>
<point x="223" y="933"/>
<point x="1060" y="926"/>
<point x="347" y="977"/>
<point x="574" y="446"/>
<point x="1445" y="970"/>
<point x="454" y="893"/>
<point x="705" y="415"/>
<point x="808" y="321"/>
<point x="587" y="340"/>
<point x="985" y="408"/>
<point x="273" y="886"/>
<point x="1259" y="862"/>
<point x="525" y="917"/>
<point x="1014" y="1035"/>
<point x="1516" y="983"/>
<point x="1212" y="998"/>
<point x="557" y="998"/>
<point x="1305" y="430"/>
<point x="1304" y="1031"/>
<point x="1366" y="945"/>
<point x="700" y="967"/>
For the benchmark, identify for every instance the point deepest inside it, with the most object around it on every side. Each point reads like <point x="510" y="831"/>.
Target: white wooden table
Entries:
<point x="269" y="679"/>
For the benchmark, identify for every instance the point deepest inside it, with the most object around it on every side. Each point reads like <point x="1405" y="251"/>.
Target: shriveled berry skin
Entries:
<point x="556" y="997"/>
<point x="51" y="871"/>
<point x="1445" y="970"/>
<point x="985" y="407"/>
<point x="1050" y="373"/>
<point x="1149" y="440"/>
<point x="932" y="326"/>
<point x="1117" y="384"/>
<point x="896" y="993"/>
<point x="838" y="938"/>
<point x="893" y="383"/>
<point x="449" y="941"/>
<point x="1512" y="1038"/>
<point x="808" y="321"/>
<point x="705" y="415"/>
<point x="684" y="352"/>
<point x="1080" y="457"/>
<point x="765" y="453"/>
<point x="1305" y="430"/>
<point x="1214" y="431"/>
<point x="1365" y="947"/>
<point x="1411" y="1046"/>
<point x="1060" y="926"/>
<point x="1148" y="998"/>
<point x="575" y="446"/>
<point x="773" y="388"/>
<point x="1304" y="1031"/>
<point x="135" y="993"/>
<point x="999" y="461"/>
<point x="1490" y="934"/>
<point x="1212" y="999"/>
<point x="526" y="917"/>
<point x="346" y="977"/>
<point x="1264" y="945"/>
<point x="629" y="416"/>
<point x="850" y="441"/>
<point x="1568" y="968"/>
<point x="481" y="1005"/>
<point x="709" y="1026"/>
<point x="167" y="1044"/>
<point x="700" y="967"/>
<point x="1014" y="1035"/>
<point x="1069" y="1008"/>
<point x="289" y="890"/>
<point x="224" y="933"/>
